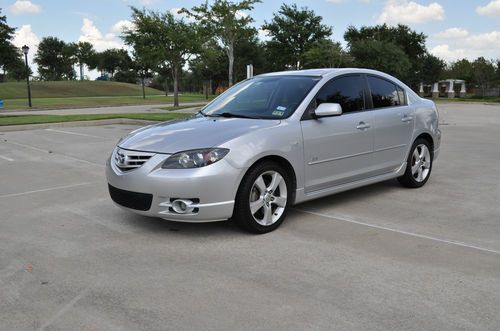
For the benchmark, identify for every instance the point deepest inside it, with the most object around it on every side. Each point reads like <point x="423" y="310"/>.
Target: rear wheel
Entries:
<point x="419" y="165"/>
<point x="263" y="198"/>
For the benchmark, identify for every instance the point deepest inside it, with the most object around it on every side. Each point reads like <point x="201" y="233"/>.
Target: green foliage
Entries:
<point x="461" y="70"/>
<point x="55" y="59"/>
<point x="484" y="72"/>
<point x="410" y="44"/>
<point x="11" y="59"/>
<point x="381" y="55"/>
<point x="224" y="21"/>
<point x="84" y="54"/>
<point x="326" y="54"/>
<point x="293" y="31"/>
<point x="431" y="69"/>
<point x="161" y="39"/>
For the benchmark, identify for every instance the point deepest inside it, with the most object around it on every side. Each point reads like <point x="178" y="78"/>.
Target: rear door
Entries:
<point x="393" y="123"/>
<point x="338" y="149"/>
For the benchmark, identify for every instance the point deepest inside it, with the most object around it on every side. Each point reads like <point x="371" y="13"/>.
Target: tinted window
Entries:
<point x="272" y="97"/>
<point x="346" y="91"/>
<point x="384" y="93"/>
<point x="402" y="96"/>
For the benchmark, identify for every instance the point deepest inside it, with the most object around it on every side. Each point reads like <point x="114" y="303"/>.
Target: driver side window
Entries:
<point x="346" y="91"/>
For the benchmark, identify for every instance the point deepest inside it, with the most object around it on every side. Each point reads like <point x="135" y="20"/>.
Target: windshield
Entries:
<point x="273" y="97"/>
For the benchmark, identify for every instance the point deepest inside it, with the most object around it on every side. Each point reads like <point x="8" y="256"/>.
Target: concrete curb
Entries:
<point x="24" y="127"/>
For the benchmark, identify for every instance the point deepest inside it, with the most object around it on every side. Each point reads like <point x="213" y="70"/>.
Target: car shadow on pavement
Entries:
<point x="159" y="225"/>
<point x="358" y="194"/>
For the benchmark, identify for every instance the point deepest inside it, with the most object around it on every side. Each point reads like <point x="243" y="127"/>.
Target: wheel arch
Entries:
<point x="428" y="137"/>
<point x="285" y="164"/>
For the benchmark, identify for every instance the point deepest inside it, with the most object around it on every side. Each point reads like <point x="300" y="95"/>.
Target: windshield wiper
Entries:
<point x="229" y="115"/>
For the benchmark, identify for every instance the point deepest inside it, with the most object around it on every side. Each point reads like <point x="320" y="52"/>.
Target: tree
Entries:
<point x="169" y="41"/>
<point x="9" y="54"/>
<point x="484" y="72"/>
<point x="293" y="31"/>
<point x="431" y="69"/>
<point x="380" y="55"/>
<point x="55" y="59"/>
<point x="84" y="53"/>
<point x="208" y="64"/>
<point x="325" y="54"/>
<point x="461" y="70"/>
<point x="224" y="20"/>
<point x="411" y="43"/>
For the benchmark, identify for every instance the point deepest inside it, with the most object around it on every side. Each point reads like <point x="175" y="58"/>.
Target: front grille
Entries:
<point x="132" y="200"/>
<point x="126" y="160"/>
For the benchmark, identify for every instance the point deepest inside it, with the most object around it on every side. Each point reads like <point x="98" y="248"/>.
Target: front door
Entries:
<point x="338" y="149"/>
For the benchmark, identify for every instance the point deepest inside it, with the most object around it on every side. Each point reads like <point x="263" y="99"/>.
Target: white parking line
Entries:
<point x="74" y="133"/>
<point x="46" y="151"/>
<point x="417" y="235"/>
<point x="6" y="158"/>
<point x="44" y="190"/>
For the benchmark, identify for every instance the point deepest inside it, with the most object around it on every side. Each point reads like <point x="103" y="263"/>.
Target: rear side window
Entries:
<point x="346" y="91"/>
<point x="385" y="93"/>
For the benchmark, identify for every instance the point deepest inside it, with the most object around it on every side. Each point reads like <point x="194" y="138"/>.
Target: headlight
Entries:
<point x="195" y="158"/>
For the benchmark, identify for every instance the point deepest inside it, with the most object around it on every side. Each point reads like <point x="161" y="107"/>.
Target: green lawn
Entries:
<point x="468" y="99"/>
<point x="38" y="119"/>
<point x="85" y="102"/>
<point x="82" y="94"/>
<point x="73" y="88"/>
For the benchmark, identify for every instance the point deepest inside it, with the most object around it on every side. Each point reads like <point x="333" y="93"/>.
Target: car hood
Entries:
<point x="196" y="132"/>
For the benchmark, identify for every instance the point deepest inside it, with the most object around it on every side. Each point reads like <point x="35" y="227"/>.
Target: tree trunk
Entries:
<point x="166" y="87"/>
<point x="143" y="88"/>
<point x="81" y="71"/>
<point x="175" y="74"/>
<point x="230" y="55"/>
<point x="205" y="87"/>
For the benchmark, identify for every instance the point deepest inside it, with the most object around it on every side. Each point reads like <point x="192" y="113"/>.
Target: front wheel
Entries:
<point x="419" y="165"/>
<point x="263" y="198"/>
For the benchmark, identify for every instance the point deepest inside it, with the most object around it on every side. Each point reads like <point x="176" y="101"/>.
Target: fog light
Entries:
<point x="182" y="206"/>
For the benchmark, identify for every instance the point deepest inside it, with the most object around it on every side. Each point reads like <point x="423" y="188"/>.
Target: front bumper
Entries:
<point x="212" y="189"/>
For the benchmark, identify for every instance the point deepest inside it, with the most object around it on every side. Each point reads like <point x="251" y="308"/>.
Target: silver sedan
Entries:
<point x="276" y="140"/>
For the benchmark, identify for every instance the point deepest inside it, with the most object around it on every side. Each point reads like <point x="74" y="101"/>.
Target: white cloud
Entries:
<point x="25" y="36"/>
<point x="471" y="47"/>
<point x="24" y="7"/>
<point x="91" y="34"/>
<point x="410" y="12"/>
<point x="444" y="52"/>
<point x="452" y="33"/>
<point x="491" y="9"/>
<point x="147" y="2"/>
<point x="122" y="25"/>
<point x="263" y="35"/>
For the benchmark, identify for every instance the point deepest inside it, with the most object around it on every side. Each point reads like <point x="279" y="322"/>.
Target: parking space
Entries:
<point x="380" y="257"/>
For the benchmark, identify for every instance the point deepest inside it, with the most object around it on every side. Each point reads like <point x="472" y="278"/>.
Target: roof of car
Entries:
<point x="318" y="72"/>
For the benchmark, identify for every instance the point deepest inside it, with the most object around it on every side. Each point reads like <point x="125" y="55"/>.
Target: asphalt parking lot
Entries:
<point x="380" y="257"/>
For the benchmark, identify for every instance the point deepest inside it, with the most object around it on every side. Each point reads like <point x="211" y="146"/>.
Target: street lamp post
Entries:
<point x="25" y="51"/>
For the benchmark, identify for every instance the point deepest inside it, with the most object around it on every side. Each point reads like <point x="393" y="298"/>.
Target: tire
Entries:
<point x="263" y="198"/>
<point x="418" y="165"/>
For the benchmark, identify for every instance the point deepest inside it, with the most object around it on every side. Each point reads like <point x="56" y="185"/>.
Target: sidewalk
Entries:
<point x="107" y="110"/>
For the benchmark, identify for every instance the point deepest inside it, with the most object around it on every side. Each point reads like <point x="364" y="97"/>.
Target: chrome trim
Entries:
<point x="390" y="147"/>
<point x="339" y="158"/>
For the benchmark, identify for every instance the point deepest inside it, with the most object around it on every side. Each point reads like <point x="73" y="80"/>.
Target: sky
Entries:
<point x="455" y="29"/>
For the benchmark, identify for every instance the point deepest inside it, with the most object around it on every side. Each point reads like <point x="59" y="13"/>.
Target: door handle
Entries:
<point x="363" y="126"/>
<point x="407" y="119"/>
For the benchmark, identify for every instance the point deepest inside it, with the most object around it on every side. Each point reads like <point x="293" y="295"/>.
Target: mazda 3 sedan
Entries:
<point x="273" y="141"/>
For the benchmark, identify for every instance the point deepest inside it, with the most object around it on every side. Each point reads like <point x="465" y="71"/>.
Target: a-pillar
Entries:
<point x="435" y="90"/>
<point x="451" y="90"/>
<point x="463" y="90"/>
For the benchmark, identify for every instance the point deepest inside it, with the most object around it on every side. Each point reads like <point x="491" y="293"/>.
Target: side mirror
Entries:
<point x="328" y="109"/>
